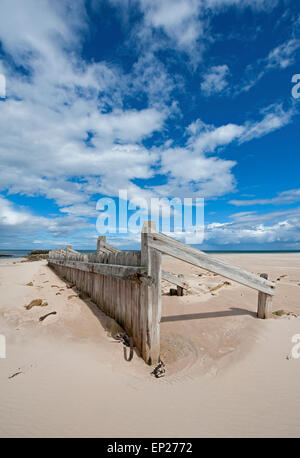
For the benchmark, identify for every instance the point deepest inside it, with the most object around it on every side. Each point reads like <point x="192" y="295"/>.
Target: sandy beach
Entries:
<point x="228" y="373"/>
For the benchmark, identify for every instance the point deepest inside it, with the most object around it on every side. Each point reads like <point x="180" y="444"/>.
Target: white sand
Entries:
<point x="227" y="372"/>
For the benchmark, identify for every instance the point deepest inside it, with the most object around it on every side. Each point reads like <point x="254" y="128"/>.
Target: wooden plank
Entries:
<point x="71" y="251"/>
<point x="111" y="304"/>
<point x="127" y="302"/>
<point x="193" y="256"/>
<point x="174" y="279"/>
<point x="155" y="317"/>
<point x="146" y="304"/>
<point x="151" y="312"/>
<point x="116" y="299"/>
<point x="101" y="289"/>
<point x="124" y="272"/>
<point x="264" y="307"/>
<point x="128" y="308"/>
<point x="122" y="303"/>
<point x="135" y="313"/>
<point x="142" y="321"/>
<point x="112" y="258"/>
<point x="105" y="293"/>
<point x="103" y="250"/>
<point x="103" y="246"/>
<point x="109" y="247"/>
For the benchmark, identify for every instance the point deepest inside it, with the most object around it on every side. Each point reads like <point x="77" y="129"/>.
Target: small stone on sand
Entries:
<point x="36" y="303"/>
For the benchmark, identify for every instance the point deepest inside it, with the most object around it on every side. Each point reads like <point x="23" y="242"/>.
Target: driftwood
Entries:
<point x="42" y="318"/>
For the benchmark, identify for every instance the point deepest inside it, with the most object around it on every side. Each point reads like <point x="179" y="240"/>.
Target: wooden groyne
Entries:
<point x="126" y="285"/>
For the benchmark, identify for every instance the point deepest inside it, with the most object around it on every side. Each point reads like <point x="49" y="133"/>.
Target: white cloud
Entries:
<point x="177" y="18"/>
<point x="283" y="55"/>
<point x="186" y="22"/>
<point x="150" y="76"/>
<point x="215" y="80"/>
<point x="60" y="104"/>
<point x="19" y="226"/>
<point x="284" y="197"/>
<point x="280" y="228"/>
<point x="274" y="118"/>
<point x="80" y="210"/>
<point x="206" y="138"/>
<point x="9" y="216"/>
<point x="211" y="137"/>
<point x="280" y="57"/>
<point x="2" y="86"/>
<point x="66" y="133"/>
<point x="255" y="4"/>
<point x="208" y="175"/>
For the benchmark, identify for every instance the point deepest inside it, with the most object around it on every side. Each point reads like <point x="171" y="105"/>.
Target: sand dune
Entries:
<point x="227" y="372"/>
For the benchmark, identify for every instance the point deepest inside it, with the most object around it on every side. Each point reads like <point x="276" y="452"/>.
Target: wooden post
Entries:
<point x="179" y="291"/>
<point x="151" y="259"/>
<point x="100" y="238"/>
<point x="264" y="308"/>
<point x="179" y="288"/>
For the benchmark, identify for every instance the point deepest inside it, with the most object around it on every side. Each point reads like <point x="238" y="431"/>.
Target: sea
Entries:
<point x="13" y="253"/>
<point x="21" y="253"/>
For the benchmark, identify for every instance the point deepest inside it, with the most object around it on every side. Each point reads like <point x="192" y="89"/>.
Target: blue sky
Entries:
<point x="173" y="98"/>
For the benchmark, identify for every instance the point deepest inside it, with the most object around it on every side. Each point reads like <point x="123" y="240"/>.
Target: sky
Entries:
<point x="163" y="99"/>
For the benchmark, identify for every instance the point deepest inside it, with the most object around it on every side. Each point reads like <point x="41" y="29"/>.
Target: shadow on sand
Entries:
<point x="198" y="316"/>
<point x="110" y="326"/>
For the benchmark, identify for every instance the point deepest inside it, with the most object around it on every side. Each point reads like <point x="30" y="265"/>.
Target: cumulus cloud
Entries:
<point x="68" y="130"/>
<point x="178" y="19"/>
<point x="71" y="122"/>
<point x="251" y="230"/>
<point x="19" y="226"/>
<point x="206" y="174"/>
<point x="64" y="118"/>
<point x="214" y="81"/>
<point x="206" y="138"/>
<point x="9" y="216"/>
<point x="279" y="229"/>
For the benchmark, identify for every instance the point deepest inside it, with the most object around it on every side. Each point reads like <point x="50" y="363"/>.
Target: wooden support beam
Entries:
<point x="264" y="307"/>
<point x="69" y="250"/>
<point x="150" y="319"/>
<point x="177" y="280"/>
<point x="155" y="274"/>
<point x="193" y="256"/>
<point x="133" y="273"/>
<point x="179" y="291"/>
<point x="101" y="239"/>
<point x="104" y="247"/>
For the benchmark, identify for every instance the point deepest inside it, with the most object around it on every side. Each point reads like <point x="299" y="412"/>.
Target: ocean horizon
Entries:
<point x="22" y="253"/>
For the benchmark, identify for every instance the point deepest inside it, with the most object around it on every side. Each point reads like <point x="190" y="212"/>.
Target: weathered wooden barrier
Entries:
<point x="126" y="285"/>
